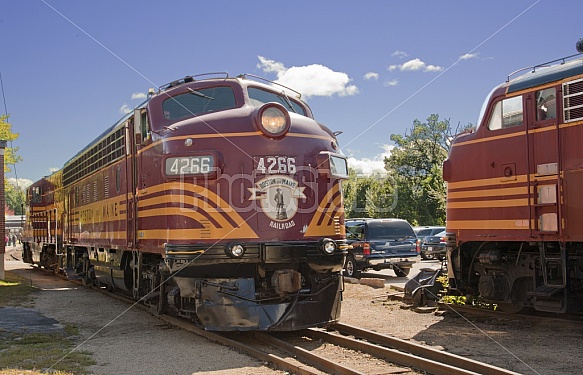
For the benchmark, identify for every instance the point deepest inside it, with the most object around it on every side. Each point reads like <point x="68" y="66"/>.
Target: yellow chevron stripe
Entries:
<point x="241" y="230"/>
<point x="324" y="214"/>
<point x="489" y="139"/>
<point x="487" y="193"/>
<point x="485" y="182"/>
<point x="521" y="202"/>
<point x="518" y="224"/>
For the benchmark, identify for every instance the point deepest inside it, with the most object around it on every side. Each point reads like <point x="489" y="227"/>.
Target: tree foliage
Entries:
<point x="415" y="167"/>
<point x="14" y="196"/>
<point x="368" y="196"/>
<point x="6" y="134"/>
<point x="15" y="199"/>
<point x="413" y="188"/>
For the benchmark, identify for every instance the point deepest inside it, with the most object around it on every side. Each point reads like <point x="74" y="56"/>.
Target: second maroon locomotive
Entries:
<point x="515" y="193"/>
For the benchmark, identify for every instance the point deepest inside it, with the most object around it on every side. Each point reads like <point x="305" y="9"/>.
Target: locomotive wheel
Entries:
<point x="158" y="307"/>
<point x="350" y="267"/>
<point x="510" y="308"/>
<point x="89" y="277"/>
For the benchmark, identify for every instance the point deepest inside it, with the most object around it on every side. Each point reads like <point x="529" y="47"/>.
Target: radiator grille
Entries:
<point x="573" y="100"/>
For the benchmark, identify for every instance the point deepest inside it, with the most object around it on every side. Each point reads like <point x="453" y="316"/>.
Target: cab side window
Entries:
<point x="507" y="113"/>
<point x="36" y="196"/>
<point x="546" y="104"/>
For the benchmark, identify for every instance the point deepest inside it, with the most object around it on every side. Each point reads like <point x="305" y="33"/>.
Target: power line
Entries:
<point x="3" y="96"/>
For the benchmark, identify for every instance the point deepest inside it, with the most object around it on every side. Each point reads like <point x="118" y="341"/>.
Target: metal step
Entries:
<point x="546" y="292"/>
<point x="549" y="299"/>
<point x="550" y="305"/>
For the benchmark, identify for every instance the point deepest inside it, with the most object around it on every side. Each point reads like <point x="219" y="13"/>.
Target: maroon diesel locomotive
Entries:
<point x="217" y="199"/>
<point x="515" y="193"/>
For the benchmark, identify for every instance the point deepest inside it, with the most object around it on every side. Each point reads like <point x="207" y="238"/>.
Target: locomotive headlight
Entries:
<point x="235" y="251"/>
<point x="274" y="120"/>
<point x="328" y="246"/>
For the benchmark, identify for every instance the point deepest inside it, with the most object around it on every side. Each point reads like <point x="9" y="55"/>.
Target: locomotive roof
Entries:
<point x="106" y="132"/>
<point x="188" y="79"/>
<point x="542" y="74"/>
<point x="225" y="76"/>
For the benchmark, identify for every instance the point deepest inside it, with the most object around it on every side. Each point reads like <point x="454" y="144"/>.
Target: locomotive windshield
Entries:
<point x="259" y="97"/>
<point x="193" y="102"/>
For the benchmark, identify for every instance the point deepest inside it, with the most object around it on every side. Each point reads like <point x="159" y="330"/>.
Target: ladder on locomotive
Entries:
<point x="552" y="296"/>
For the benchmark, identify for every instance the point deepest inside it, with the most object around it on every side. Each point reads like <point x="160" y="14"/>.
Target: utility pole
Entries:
<point x="3" y="205"/>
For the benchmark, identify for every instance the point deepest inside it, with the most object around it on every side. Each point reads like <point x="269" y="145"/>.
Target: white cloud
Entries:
<point x="414" y="65"/>
<point x="270" y="66"/>
<point x="310" y="80"/>
<point x="400" y="54"/>
<point x="433" y="68"/>
<point x="469" y="56"/>
<point x="23" y="183"/>
<point x="368" y="166"/>
<point x="392" y="82"/>
<point x="138" y="95"/>
<point x="371" y="75"/>
<point x="125" y="109"/>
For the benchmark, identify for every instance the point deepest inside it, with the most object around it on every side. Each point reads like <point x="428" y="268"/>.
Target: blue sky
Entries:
<point x="367" y="68"/>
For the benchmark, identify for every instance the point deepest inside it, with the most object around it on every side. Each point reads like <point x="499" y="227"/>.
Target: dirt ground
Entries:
<point x="126" y="340"/>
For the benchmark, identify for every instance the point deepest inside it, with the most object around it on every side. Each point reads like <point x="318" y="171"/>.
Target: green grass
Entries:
<point x="15" y="291"/>
<point x="37" y="352"/>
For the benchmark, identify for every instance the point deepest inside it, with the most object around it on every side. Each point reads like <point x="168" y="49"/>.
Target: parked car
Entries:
<point x="434" y="246"/>
<point x="380" y="244"/>
<point x="424" y="231"/>
<point x="428" y="230"/>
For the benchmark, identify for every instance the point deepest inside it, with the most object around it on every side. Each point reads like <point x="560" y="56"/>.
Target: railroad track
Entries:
<point x="299" y="360"/>
<point x="276" y="349"/>
<point x="575" y="320"/>
<point x="298" y="352"/>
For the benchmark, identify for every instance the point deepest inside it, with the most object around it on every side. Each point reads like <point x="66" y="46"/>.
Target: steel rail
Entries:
<point x="289" y="365"/>
<point x="393" y="350"/>
<point x="314" y="360"/>
<point x="281" y="363"/>
<point x="411" y="354"/>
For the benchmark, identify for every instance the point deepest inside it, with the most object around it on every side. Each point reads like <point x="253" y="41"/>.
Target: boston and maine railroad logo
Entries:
<point x="278" y="196"/>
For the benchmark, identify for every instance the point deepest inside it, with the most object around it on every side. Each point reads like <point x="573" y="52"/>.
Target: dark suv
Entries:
<point x="380" y="244"/>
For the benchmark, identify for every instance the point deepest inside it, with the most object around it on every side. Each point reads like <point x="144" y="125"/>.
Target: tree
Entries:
<point x="14" y="196"/>
<point x="415" y="171"/>
<point x="368" y="196"/>
<point x="15" y="199"/>
<point x="10" y="153"/>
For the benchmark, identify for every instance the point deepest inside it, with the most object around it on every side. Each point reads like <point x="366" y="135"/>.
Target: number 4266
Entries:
<point x="276" y="165"/>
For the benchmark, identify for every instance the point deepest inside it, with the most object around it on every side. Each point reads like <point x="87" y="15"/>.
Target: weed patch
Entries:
<point x="33" y="352"/>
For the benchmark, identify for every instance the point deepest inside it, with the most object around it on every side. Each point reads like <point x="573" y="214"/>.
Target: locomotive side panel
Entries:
<point x="488" y="196"/>
<point x="572" y="157"/>
<point x="522" y="246"/>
